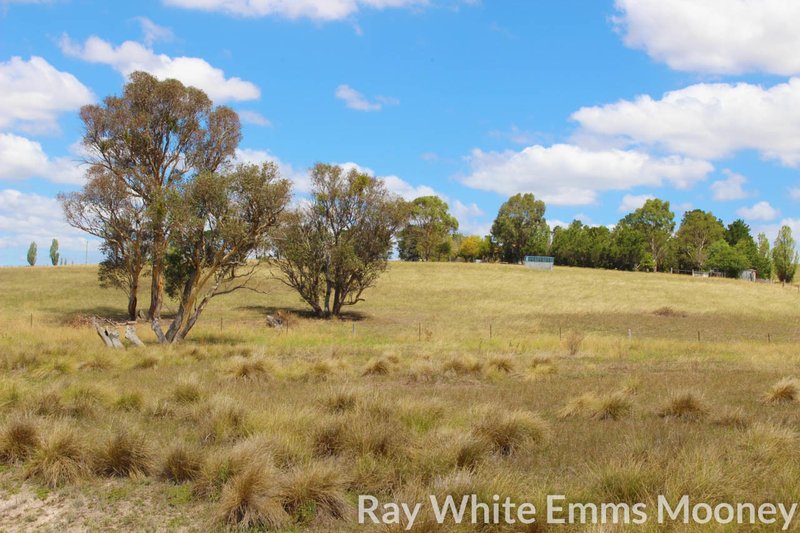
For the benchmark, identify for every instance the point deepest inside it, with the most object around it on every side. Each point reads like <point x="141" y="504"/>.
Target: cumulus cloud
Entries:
<point x="153" y="32"/>
<point x="715" y="36"/>
<point x="632" y="202"/>
<point x="131" y="56"/>
<point x="706" y="120"/>
<point x="760" y="211"/>
<point x="23" y="159"/>
<point x="321" y="10"/>
<point x="33" y="93"/>
<point x="794" y="193"/>
<point x="254" y="117"/>
<point x="28" y="217"/>
<point x="300" y="179"/>
<point x="354" y="99"/>
<point x="565" y="174"/>
<point x="730" y="188"/>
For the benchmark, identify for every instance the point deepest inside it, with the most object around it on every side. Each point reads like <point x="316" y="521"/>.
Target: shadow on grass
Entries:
<point x="302" y="312"/>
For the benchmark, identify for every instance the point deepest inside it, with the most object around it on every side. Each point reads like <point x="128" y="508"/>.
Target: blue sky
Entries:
<point x="592" y="106"/>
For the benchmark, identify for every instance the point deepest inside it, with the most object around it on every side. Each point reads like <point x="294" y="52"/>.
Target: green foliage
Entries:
<point x="699" y="230"/>
<point x="54" y="255"/>
<point x="726" y="258"/>
<point x="736" y="231"/>
<point x="627" y="247"/>
<point x="32" y="252"/>
<point x="520" y="228"/>
<point x="472" y="248"/>
<point x="428" y="234"/>
<point x="784" y="256"/>
<point x="654" y="223"/>
<point x="763" y="260"/>
<point x="582" y="245"/>
<point x="334" y="249"/>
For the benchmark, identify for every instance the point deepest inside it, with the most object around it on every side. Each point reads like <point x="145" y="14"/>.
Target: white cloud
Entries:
<point x="300" y="179"/>
<point x="31" y="217"/>
<point x="355" y="100"/>
<point x="429" y="156"/>
<point x="730" y="188"/>
<point x="254" y="117"/>
<point x="771" y="230"/>
<point x="715" y="36"/>
<point x="322" y="10"/>
<point x="153" y="32"/>
<point x="706" y="120"/>
<point x="564" y="174"/>
<point x="794" y="193"/>
<point x="516" y="135"/>
<point x="23" y="159"/>
<point x="404" y="189"/>
<point x="632" y="202"/>
<point x="131" y="56"/>
<point x="33" y="93"/>
<point x="759" y="211"/>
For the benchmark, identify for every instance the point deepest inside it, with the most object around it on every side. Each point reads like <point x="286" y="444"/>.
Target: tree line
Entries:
<point x="645" y="240"/>
<point x="168" y="202"/>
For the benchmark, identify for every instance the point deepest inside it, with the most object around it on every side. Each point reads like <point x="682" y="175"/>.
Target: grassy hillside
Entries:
<point x="449" y="379"/>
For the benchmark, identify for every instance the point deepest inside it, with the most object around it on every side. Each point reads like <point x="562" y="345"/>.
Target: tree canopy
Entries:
<point x="520" y="228"/>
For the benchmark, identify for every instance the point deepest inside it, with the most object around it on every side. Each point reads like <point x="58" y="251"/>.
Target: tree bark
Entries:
<point x="157" y="285"/>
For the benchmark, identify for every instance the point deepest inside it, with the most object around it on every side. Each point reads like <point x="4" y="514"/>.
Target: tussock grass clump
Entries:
<point x="48" y="403"/>
<point x="630" y="481"/>
<point x="340" y="401"/>
<point x="573" y="342"/>
<point x="251" y="500"/>
<point x="129" y="402"/>
<point x="148" y="361"/>
<point x="97" y="363"/>
<point x="316" y="490"/>
<point x="502" y="363"/>
<point x="252" y="369"/>
<point x="423" y="371"/>
<point x="187" y="392"/>
<point x="463" y="365"/>
<point x="685" y="406"/>
<point x="508" y="432"/>
<point x="378" y="366"/>
<point x="319" y="370"/>
<point x="159" y="409"/>
<point x="18" y="440"/>
<point x="125" y="454"/>
<point x="769" y="442"/>
<point x="330" y="438"/>
<point x="732" y="418"/>
<point x="612" y="406"/>
<point x="540" y="367"/>
<point x="223" y="464"/>
<point x="222" y="420"/>
<point x="358" y="436"/>
<point x="668" y="311"/>
<point x="60" y="459"/>
<point x="470" y="450"/>
<point x="181" y="463"/>
<point x="786" y="390"/>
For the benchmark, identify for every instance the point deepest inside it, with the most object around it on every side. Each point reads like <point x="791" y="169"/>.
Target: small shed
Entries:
<point x="539" y="262"/>
<point x="748" y="275"/>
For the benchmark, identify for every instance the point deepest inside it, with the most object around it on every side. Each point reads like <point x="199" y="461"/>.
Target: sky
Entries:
<point x="593" y="106"/>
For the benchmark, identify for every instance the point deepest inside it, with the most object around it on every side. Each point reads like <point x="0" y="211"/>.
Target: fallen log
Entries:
<point x="110" y="335"/>
<point x="130" y="334"/>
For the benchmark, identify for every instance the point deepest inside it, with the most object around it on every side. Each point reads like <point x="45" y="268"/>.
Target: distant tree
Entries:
<point x="428" y="234"/>
<point x="726" y="258"/>
<point x="107" y="209"/>
<point x="698" y="231"/>
<point x="520" y="228"/>
<point x="54" y="255"/>
<point x="763" y="263"/>
<point x="784" y="256"/>
<point x="628" y="248"/>
<point x="472" y="248"/>
<point x="333" y="249"/>
<point x="582" y="245"/>
<point x="654" y="222"/>
<point x="736" y="231"/>
<point x="32" y="252"/>
<point x="154" y="138"/>
<point x="219" y="222"/>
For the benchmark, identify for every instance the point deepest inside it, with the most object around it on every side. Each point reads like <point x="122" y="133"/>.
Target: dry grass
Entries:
<point x="124" y="454"/>
<point x="786" y="390"/>
<point x="251" y="427"/>
<point x="573" y="342"/>
<point x="60" y="459"/>
<point x="19" y="438"/>
<point x="685" y="406"/>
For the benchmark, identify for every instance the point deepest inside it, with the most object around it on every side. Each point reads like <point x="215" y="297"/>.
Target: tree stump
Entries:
<point x="109" y="335"/>
<point x="130" y="334"/>
<point x="275" y="322"/>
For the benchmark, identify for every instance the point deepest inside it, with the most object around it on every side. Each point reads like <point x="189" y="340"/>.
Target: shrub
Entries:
<point x="59" y="460"/>
<point x="125" y="454"/>
<point x="250" y="500"/>
<point x="686" y="406"/>
<point x="786" y="390"/>
<point x="18" y="440"/>
<point x="181" y="463"/>
<point x="509" y="432"/>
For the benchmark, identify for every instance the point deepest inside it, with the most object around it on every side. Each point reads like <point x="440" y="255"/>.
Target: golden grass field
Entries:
<point x="449" y="379"/>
